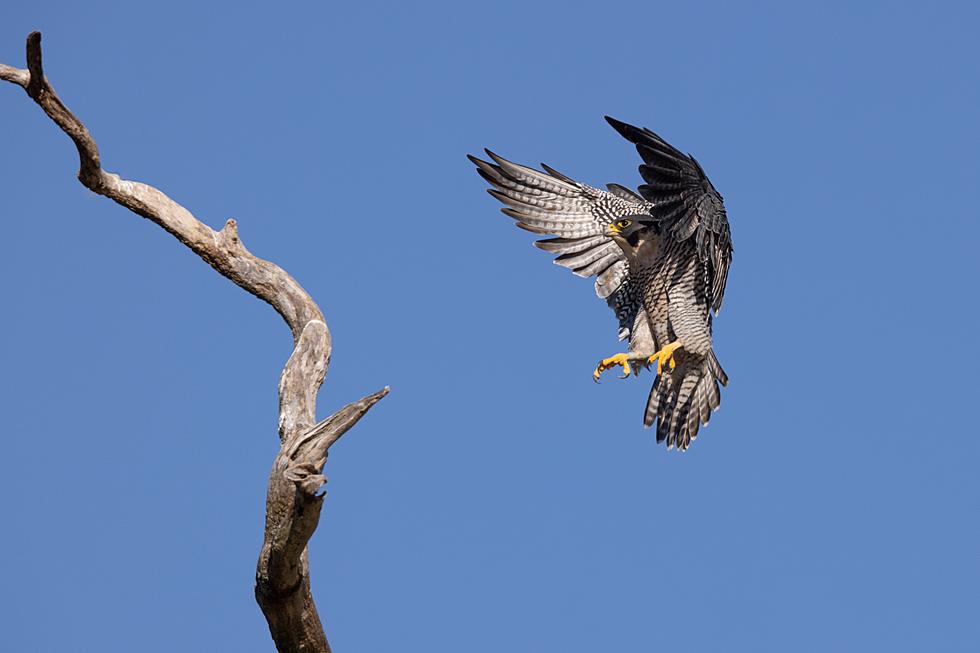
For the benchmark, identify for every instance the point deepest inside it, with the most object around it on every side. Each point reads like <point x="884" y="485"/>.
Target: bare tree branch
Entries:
<point x="282" y="581"/>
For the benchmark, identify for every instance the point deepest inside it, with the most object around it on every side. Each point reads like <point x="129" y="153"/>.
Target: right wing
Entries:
<point x="685" y="204"/>
<point x="551" y="203"/>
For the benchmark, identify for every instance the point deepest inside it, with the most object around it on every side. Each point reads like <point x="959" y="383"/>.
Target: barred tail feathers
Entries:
<point x="682" y="400"/>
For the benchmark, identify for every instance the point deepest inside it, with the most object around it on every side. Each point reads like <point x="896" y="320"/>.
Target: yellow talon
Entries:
<point x="612" y="361"/>
<point x="665" y="355"/>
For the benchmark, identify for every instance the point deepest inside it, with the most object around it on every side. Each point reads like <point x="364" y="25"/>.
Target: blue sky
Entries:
<point x="497" y="499"/>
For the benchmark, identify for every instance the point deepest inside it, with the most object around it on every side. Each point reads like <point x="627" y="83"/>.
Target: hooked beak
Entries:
<point x="612" y="229"/>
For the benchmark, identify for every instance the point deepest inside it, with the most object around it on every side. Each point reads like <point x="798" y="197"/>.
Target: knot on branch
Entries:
<point x="266" y="592"/>
<point x="306" y="476"/>
<point x="230" y="231"/>
<point x="228" y="238"/>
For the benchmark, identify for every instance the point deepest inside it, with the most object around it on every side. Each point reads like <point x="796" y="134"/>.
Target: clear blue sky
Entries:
<point x="497" y="500"/>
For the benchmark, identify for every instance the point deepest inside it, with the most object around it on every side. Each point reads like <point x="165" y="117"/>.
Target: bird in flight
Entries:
<point x="660" y="259"/>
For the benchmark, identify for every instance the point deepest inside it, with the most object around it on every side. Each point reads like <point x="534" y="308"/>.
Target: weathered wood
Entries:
<point x="282" y="585"/>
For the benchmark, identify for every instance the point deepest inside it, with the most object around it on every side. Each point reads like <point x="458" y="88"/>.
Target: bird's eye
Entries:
<point x="622" y="224"/>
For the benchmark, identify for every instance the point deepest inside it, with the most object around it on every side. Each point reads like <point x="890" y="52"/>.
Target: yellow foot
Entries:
<point x="665" y="356"/>
<point x="612" y="361"/>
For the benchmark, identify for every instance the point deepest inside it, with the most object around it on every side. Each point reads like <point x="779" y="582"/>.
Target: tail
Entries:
<point x="682" y="399"/>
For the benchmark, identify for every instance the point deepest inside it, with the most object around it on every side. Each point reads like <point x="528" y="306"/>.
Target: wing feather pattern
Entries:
<point x="684" y="202"/>
<point x="552" y="203"/>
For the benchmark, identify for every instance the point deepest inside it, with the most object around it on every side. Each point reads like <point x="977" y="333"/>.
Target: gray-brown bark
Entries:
<point x="282" y="581"/>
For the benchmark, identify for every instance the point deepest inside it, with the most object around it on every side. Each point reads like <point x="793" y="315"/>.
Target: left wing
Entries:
<point x="551" y="203"/>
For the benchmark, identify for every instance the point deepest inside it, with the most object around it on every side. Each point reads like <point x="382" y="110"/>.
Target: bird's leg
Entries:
<point x="621" y="360"/>
<point x="665" y="356"/>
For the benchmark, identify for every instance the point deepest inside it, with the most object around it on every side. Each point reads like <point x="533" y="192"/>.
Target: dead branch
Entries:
<point x="282" y="581"/>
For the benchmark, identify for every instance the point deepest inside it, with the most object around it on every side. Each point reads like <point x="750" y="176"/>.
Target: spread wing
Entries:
<point x="550" y="203"/>
<point x="685" y="203"/>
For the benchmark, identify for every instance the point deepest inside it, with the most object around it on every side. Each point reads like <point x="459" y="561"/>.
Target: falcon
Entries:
<point x="660" y="259"/>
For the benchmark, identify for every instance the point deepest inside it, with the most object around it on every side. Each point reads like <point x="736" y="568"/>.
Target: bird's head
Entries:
<point x="627" y="229"/>
<point x="636" y="235"/>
